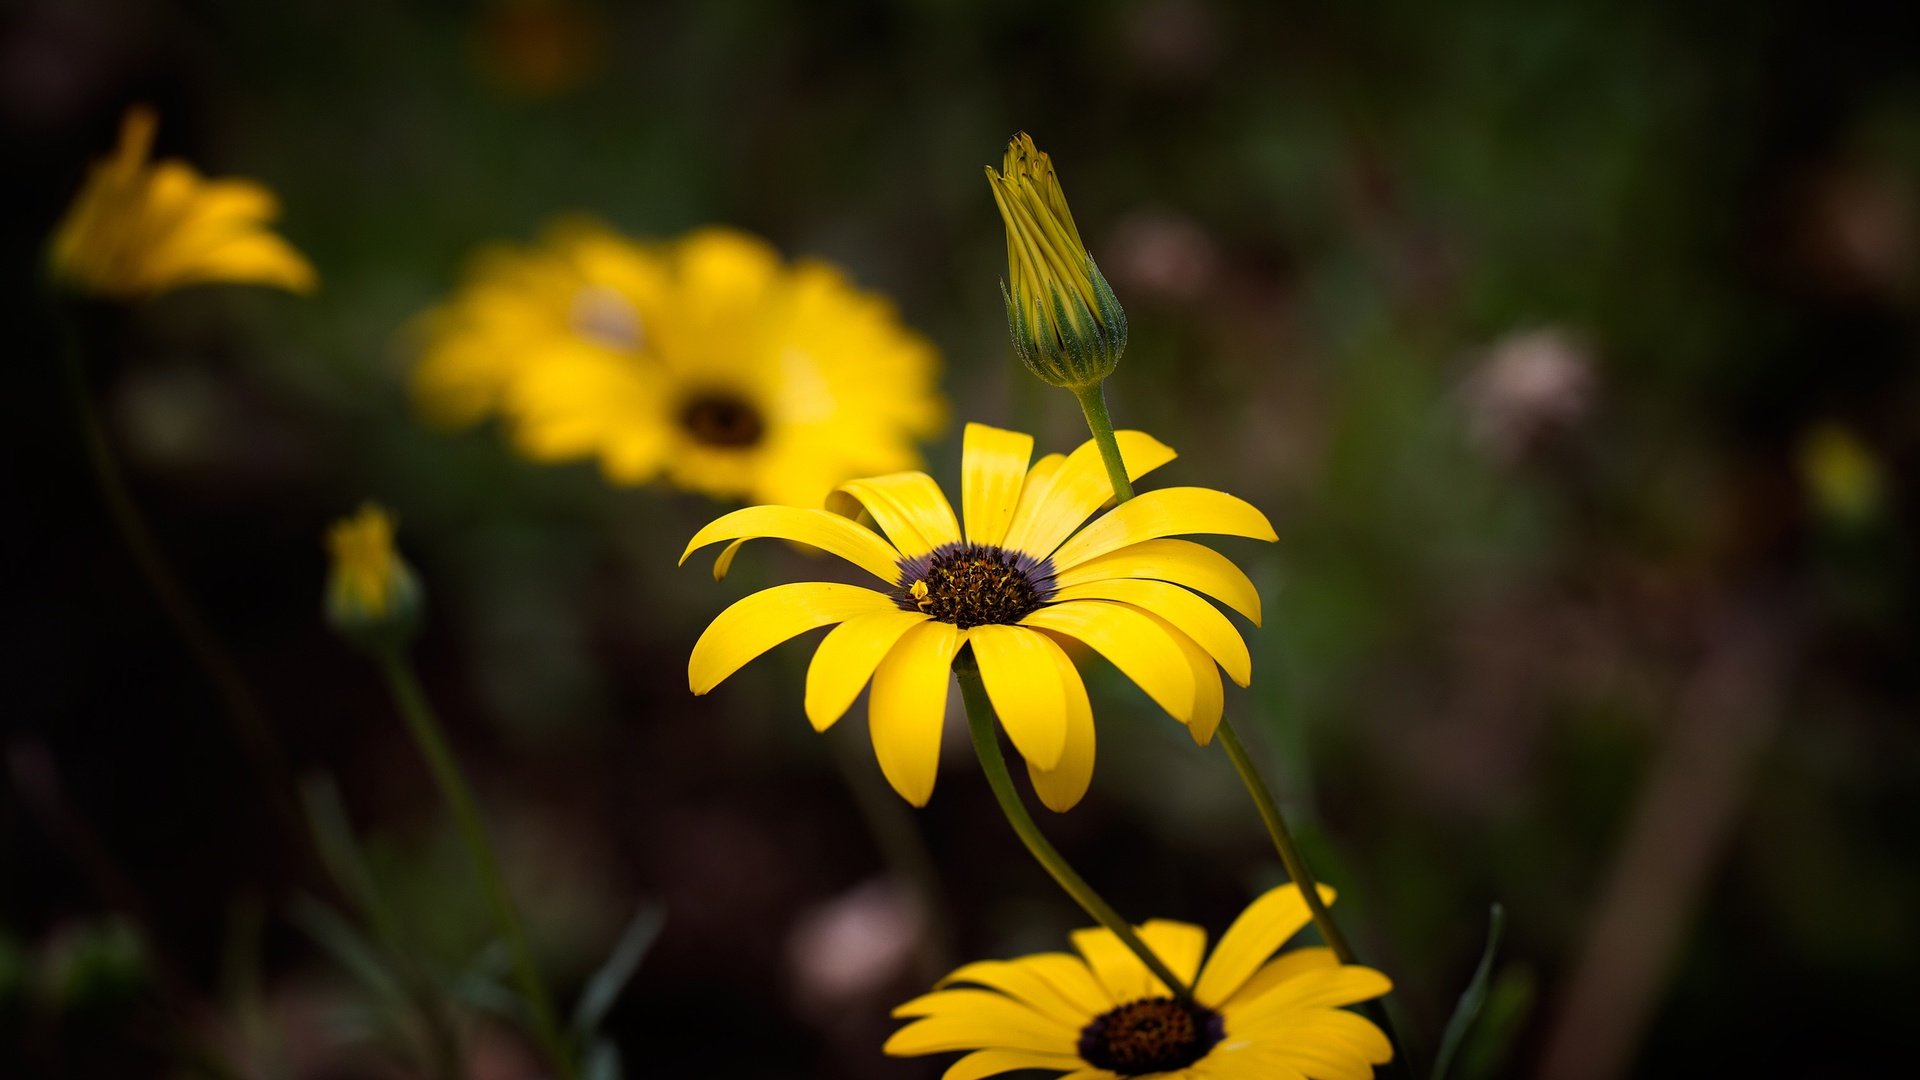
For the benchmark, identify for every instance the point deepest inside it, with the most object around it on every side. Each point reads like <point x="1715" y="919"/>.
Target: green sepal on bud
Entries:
<point x="373" y="598"/>
<point x="1067" y="325"/>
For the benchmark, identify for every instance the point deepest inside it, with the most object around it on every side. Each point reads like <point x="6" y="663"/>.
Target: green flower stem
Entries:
<point x="432" y="741"/>
<point x="245" y="718"/>
<point x="1093" y="402"/>
<point x="986" y="745"/>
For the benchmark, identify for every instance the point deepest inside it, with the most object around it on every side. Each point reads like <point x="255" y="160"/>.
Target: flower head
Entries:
<point x="373" y="598"/>
<point x="1066" y="323"/>
<point x="1012" y="586"/>
<point x="706" y="361"/>
<point x="140" y="228"/>
<point x="1102" y="1015"/>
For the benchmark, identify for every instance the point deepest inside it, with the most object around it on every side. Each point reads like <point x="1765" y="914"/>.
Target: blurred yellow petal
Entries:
<point x="1260" y="930"/>
<point x="1078" y="488"/>
<point x="907" y="708"/>
<point x="993" y="464"/>
<point x="1022" y="981"/>
<point x="765" y="619"/>
<point x="1120" y="972"/>
<point x="1164" y="512"/>
<point x="846" y="659"/>
<point x="909" y="507"/>
<point x="1278" y="970"/>
<point x="1188" y="613"/>
<point x="1323" y="989"/>
<point x="1062" y="787"/>
<point x="1133" y="642"/>
<point x="1182" y="562"/>
<point x="1023" y="682"/>
<point x="816" y="528"/>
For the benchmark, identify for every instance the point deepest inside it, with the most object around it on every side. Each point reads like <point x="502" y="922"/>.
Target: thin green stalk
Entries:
<point x="413" y="705"/>
<point x="1093" y="402"/>
<point x="244" y="715"/>
<point x="986" y="745"/>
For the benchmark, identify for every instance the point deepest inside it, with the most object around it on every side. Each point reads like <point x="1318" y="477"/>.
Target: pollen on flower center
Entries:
<point x="1149" y="1036"/>
<point x="970" y="585"/>
<point x="723" y="419"/>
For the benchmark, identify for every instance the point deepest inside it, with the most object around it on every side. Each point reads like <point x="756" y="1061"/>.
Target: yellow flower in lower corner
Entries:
<point x="1012" y="587"/>
<point x="706" y="361"/>
<point x="141" y="228"/>
<point x="1102" y="1015"/>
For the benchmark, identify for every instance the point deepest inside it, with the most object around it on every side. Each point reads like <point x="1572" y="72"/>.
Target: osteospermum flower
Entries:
<point x="1102" y="1015"/>
<point x="140" y="228"/>
<point x="706" y="361"/>
<point x="1015" y="583"/>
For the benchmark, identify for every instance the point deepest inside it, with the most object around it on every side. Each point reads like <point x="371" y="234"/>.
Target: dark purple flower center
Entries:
<point x="1150" y="1035"/>
<point x="970" y="585"/>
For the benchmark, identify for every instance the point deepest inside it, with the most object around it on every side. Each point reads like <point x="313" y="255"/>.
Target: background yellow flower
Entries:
<point x="139" y="227"/>
<point x="706" y="361"/>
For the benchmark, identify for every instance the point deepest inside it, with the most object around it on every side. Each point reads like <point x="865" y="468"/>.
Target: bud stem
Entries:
<point x="1093" y="402"/>
<point x="432" y="741"/>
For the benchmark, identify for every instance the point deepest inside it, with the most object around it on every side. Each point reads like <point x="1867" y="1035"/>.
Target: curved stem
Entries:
<point x="245" y="718"/>
<point x="432" y="741"/>
<point x="1093" y="402"/>
<point x="986" y="745"/>
<point x="1296" y="863"/>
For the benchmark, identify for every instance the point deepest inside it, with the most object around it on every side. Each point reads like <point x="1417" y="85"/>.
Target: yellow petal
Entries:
<point x="1263" y="927"/>
<point x="1062" y="787"/>
<point x="1352" y="1034"/>
<point x="908" y="506"/>
<point x="1132" y="641"/>
<point x="993" y="463"/>
<point x="984" y="1063"/>
<point x="846" y="659"/>
<point x="908" y="707"/>
<point x="1209" y="698"/>
<point x="1188" y="613"/>
<point x="1024" y="982"/>
<point x="1178" y="945"/>
<point x="1323" y="989"/>
<point x="1285" y="966"/>
<point x="1165" y="512"/>
<point x="975" y="1020"/>
<point x="723" y="563"/>
<point x="1063" y="972"/>
<point x="765" y="619"/>
<point x="1182" y="562"/>
<point x="1118" y="969"/>
<point x="1078" y="488"/>
<point x="1023" y="682"/>
<point x="1033" y="493"/>
<point x="817" y="528"/>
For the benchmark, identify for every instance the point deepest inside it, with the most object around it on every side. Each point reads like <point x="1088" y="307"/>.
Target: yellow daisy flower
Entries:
<point x="706" y="361"/>
<point x="1102" y="1015"/>
<point x="1012" y="586"/>
<point x="141" y="228"/>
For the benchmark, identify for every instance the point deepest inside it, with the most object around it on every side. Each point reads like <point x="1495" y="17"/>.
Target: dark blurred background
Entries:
<point x="1570" y="347"/>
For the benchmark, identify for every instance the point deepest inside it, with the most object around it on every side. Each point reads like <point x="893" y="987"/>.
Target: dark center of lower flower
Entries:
<point x="1150" y="1035"/>
<point x="723" y="419"/>
<point x="972" y="584"/>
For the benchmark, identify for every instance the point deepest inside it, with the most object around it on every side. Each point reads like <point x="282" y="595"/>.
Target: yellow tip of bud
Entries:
<point x="372" y="597"/>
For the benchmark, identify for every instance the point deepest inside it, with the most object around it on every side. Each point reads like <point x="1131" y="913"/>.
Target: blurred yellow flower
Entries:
<point x="1845" y="479"/>
<point x="1066" y="323"/>
<point x="141" y="228"/>
<point x="705" y="361"/>
<point x="1102" y="1015"/>
<point x="1016" y="583"/>
<point x="372" y="595"/>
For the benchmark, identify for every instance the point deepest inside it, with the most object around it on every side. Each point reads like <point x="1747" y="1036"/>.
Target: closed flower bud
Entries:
<point x="1066" y="324"/>
<point x="373" y="599"/>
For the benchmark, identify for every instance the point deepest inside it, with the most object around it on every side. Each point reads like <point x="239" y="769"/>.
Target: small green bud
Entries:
<point x="373" y="599"/>
<point x="1067" y="325"/>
